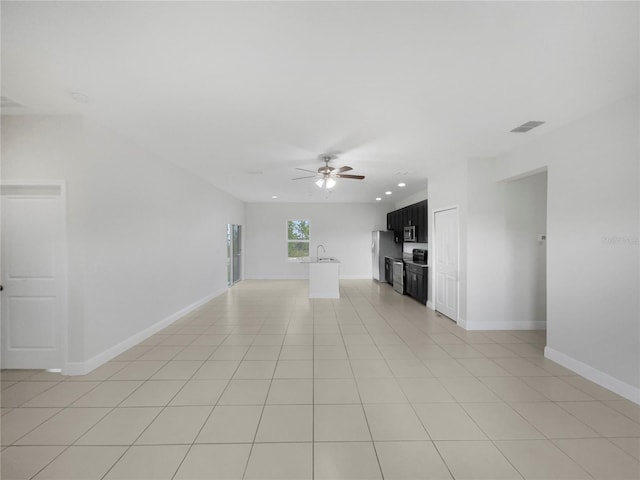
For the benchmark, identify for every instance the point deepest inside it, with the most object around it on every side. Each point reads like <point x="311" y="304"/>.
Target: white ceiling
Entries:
<point x="227" y="89"/>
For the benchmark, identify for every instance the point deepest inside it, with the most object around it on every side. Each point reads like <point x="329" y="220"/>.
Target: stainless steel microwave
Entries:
<point x="410" y="233"/>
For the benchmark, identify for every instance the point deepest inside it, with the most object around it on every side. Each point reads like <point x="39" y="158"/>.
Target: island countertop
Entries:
<point x="324" y="277"/>
<point x="321" y="260"/>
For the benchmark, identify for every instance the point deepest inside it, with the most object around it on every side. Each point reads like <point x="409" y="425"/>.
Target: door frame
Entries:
<point x="231" y="254"/>
<point x="433" y="257"/>
<point x="238" y="228"/>
<point x="49" y="187"/>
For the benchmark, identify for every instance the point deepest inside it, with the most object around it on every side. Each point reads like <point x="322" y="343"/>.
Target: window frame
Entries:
<point x="295" y="240"/>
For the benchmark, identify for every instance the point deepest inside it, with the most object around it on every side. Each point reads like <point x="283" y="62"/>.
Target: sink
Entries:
<point x="326" y="259"/>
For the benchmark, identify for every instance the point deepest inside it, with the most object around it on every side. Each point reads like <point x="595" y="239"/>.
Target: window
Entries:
<point x="297" y="239"/>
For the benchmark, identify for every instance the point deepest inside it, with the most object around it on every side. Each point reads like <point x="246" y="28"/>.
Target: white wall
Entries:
<point x="344" y="230"/>
<point x="48" y="148"/>
<point x="448" y="188"/>
<point x="410" y="200"/>
<point x="592" y="248"/>
<point x="593" y="252"/>
<point x="501" y="268"/>
<point x="486" y="249"/>
<point x="146" y="239"/>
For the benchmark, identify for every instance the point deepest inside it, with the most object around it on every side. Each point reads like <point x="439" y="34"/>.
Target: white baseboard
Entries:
<point x="82" y="368"/>
<point x="277" y="277"/>
<point x="530" y="325"/>
<point x="305" y="277"/>
<point x="603" y="379"/>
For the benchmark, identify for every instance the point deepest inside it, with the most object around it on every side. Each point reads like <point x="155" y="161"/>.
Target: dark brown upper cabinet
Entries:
<point x="415" y="215"/>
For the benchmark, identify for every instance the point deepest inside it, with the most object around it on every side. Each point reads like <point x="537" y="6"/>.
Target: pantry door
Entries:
<point x="446" y="262"/>
<point x="33" y="298"/>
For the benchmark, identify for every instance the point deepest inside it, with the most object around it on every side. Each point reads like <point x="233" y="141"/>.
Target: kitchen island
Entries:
<point x="324" y="277"/>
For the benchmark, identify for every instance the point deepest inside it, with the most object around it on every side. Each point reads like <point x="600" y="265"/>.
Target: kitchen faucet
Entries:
<point x="318" y="248"/>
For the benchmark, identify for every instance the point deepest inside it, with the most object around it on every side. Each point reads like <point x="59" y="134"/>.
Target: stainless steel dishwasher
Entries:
<point x="398" y="276"/>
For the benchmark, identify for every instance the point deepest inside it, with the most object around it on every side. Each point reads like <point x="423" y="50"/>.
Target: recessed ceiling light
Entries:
<point x="274" y="196"/>
<point x="8" y="103"/>
<point x="525" y="127"/>
<point x="79" y="97"/>
<point x="378" y="199"/>
<point x="388" y="192"/>
<point x="402" y="185"/>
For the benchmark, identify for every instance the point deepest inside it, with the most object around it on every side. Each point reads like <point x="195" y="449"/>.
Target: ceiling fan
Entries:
<point x="328" y="174"/>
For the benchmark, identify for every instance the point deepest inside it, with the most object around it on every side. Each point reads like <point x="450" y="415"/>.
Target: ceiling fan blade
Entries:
<point x="343" y="169"/>
<point x="300" y="178"/>
<point x="305" y="170"/>
<point x="355" y="177"/>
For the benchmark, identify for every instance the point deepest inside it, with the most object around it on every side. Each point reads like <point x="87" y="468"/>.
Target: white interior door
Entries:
<point x="33" y="295"/>
<point x="446" y="262"/>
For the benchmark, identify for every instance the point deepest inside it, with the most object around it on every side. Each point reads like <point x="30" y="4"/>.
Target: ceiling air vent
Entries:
<point x="525" y="127"/>
<point x="8" y="103"/>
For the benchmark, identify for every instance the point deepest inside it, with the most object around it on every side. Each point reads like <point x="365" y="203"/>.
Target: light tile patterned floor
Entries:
<point x="262" y="383"/>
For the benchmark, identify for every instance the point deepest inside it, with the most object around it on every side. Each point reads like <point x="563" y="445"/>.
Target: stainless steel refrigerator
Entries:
<point x="382" y="245"/>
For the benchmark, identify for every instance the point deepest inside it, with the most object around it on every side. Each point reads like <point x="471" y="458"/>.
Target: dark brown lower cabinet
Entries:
<point x="416" y="282"/>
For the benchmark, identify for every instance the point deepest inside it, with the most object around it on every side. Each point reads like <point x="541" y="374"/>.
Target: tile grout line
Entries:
<point x="67" y="447"/>
<point x="456" y="401"/>
<point x="411" y="403"/>
<point x="373" y="443"/>
<point x="162" y="409"/>
<point x="216" y="405"/>
<point x="210" y="412"/>
<point x="255" y="435"/>
<point x="154" y="418"/>
<point x="313" y="392"/>
<point x="54" y="415"/>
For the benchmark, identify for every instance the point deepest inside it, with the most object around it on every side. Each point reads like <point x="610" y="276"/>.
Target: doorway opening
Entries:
<point x="234" y="254"/>
<point x="525" y="244"/>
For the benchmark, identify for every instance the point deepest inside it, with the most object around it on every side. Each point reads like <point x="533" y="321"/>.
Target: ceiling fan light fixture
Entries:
<point x="326" y="175"/>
